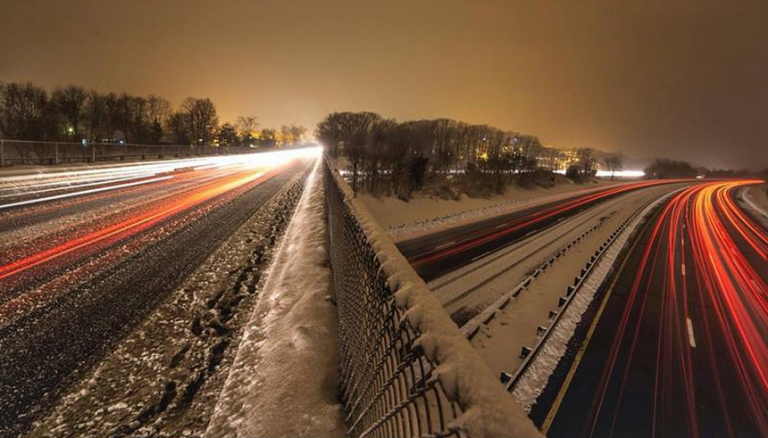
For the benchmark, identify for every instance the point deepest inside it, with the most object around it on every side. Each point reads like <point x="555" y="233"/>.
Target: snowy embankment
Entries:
<point x="419" y="215"/>
<point x="756" y="199"/>
<point x="284" y="380"/>
<point x="535" y="377"/>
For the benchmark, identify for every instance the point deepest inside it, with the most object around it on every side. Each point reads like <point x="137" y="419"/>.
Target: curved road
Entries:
<point x="679" y="346"/>
<point x="438" y="253"/>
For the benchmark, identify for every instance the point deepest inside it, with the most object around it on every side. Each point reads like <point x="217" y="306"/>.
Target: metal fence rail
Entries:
<point x="392" y="385"/>
<point x="43" y="152"/>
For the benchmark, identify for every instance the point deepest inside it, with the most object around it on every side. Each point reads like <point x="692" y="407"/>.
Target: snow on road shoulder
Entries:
<point x="756" y="201"/>
<point x="536" y="376"/>
<point x="284" y="379"/>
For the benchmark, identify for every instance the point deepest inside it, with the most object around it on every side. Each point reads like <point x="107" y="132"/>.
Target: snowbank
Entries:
<point x="756" y="200"/>
<point x="404" y="219"/>
<point x="284" y="379"/>
<point x="489" y="411"/>
<point x="537" y="374"/>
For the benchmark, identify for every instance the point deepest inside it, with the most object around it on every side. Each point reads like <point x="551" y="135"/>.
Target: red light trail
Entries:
<point x="696" y="319"/>
<point x="194" y="193"/>
<point x="528" y="221"/>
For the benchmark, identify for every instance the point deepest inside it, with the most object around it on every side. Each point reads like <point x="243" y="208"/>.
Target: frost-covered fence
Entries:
<point x="48" y="152"/>
<point x="406" y="369"/>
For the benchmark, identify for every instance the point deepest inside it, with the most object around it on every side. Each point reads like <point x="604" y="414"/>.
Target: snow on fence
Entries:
<point x="44" y="152"/>
<point x="406" y="370"/>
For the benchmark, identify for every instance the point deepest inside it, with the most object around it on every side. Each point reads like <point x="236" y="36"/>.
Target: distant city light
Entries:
<point x="622" y="173"/>
<point x="617" y="174"/>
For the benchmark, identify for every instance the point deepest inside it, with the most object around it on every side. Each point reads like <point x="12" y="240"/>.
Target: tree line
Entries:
<point x="390" y="157"/>
<point x="73" y="113"/>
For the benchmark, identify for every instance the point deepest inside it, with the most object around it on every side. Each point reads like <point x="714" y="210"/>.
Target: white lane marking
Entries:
<point x="84" y="192"/>
<point x="691" y="339"/>
<point x="682" y="267"/>
<point x="444" y="245"/>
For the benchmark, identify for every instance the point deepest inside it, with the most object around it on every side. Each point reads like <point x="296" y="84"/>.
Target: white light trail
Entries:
<point x="85" y="192"/>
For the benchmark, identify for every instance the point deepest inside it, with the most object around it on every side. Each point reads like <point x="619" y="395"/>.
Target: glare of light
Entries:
<point x="91" y="177"/>
<point x="621" y="173"/>
<point x="617" y="174"/>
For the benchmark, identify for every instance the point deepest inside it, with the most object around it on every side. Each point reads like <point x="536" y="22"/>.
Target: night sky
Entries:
<point x="682" y="79"/>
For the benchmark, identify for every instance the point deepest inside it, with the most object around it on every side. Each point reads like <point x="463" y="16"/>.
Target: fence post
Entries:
<point x="56" y="153"/>
<point x="2" y="153"/>
<point x="93" y="153"/>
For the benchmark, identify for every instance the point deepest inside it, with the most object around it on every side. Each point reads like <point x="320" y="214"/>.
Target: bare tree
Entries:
<point x="246" y="129"/>
<point x="613" y="163"/>
<point x="24" y="112"/>
<point x="158" y="110"/>
<point x="227" y="135"/>
<point x="178" y="128"/>
<point x="268" y="138"/>
<point x="297" y="133"/>
<point x="70" y="104"/>
<point x="201" y="118"/>
<point x="587" y="160"/>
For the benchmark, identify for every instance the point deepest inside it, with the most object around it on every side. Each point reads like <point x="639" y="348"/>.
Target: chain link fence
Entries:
<point x="42" y="152"/>
<point x="406" y="370"/>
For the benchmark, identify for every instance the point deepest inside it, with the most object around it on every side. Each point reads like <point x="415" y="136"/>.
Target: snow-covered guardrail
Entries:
<point x="472" y="327"/>
<point x="530" y="354"/>
<point x="406" y="369"/>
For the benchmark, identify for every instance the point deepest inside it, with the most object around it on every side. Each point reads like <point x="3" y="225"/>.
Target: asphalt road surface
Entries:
<point x="679" y="346"/>
<point x="82" y="262"/>
<point x="438" y="253"/>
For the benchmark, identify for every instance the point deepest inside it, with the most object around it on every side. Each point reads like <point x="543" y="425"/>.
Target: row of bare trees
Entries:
<point x="72" y="113"/>
<point x="385" y="156"/>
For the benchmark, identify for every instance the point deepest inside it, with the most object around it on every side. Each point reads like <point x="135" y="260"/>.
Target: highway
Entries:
<point x="84" y="255"/>
<point x="679" y="343"/>
<point x="441" y="252"/>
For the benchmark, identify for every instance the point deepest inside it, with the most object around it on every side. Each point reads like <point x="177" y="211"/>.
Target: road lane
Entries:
<point x="72" y="289"/>
<point x="681" y="347"/>
<point x="438" y="253"/>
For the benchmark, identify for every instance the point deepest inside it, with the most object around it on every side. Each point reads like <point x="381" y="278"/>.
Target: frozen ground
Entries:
<point x="469" y="290"/>
<point x="501" y="340"/>
<point x="473" y="288"/>
<point x="284" y="379"/>
<point x="536" y="375"/>
<point x="420" y="215"/>
<point x="756" y="200"/>
<point x="164" y="378"/>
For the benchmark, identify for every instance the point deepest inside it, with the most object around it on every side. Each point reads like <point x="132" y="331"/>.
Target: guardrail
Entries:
<point x="405" y="368"/>
<point x="471" y="328"/>
<point x="529" y="354"/>
<point x="43" y="152"/>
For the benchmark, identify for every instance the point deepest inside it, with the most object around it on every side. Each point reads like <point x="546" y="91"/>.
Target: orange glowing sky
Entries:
<point x="683" y="79"/>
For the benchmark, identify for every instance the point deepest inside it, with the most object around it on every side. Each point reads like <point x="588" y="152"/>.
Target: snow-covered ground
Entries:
<point x="756" y="200"/>
<point x="164" y="377"/>
<point x="470" y="289"/>
<point x="473" y="288"/>
<point x="515" y="326"/>
<point x="284" y="381"/>
<point x="418" y="216"/>
<point x="535" y="377"/>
